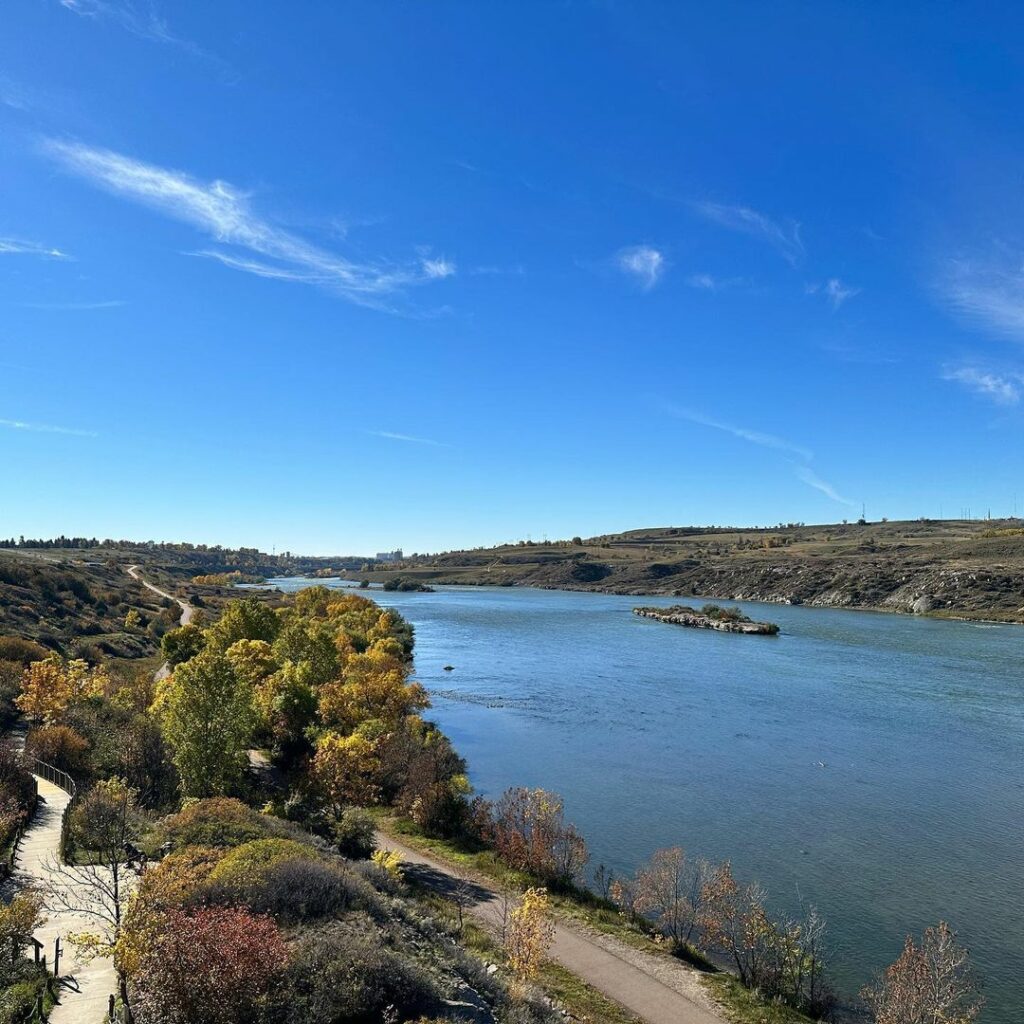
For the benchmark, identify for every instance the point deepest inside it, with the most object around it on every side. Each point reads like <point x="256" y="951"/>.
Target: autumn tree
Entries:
<point x="529" y="932"/>
<point x="669" y="890"/>
<point x="930" y="983"/>
<point x="252" y="660"/>
<point x="528" y="831"/>
<point x="51" y="686"/>
<point x="345" y="770"/>
<point x="18" y="920"/>
<point x="207" y="715"/>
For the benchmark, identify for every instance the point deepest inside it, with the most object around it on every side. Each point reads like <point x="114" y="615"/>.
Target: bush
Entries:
<point x="298" y="890"/>
<point x="212" y="966"/>
<point x="354" y="834"/>
<point x="341" y="976"/>
<point x="15" y="648"/>
<point x="60" y="746"/>
<point x="217" y="821"/>
<point x="246" y="866"/>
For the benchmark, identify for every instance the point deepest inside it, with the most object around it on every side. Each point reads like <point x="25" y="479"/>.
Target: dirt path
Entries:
<point x="656" y="989"/>
<point x="87" y="987"/>
<point x="187" y="611"/>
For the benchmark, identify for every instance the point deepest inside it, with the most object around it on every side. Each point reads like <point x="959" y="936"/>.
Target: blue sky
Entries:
<point x="339" y="277"/>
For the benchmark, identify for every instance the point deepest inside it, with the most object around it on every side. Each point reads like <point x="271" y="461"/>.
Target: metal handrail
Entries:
<point x="59" y="778"/>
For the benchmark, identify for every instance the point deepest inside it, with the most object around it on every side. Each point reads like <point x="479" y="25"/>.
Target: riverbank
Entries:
<point x="970" y="570"/>
<point x="595" y="941"/>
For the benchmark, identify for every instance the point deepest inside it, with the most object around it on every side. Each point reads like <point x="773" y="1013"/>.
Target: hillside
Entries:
<point x="973" y="569"/>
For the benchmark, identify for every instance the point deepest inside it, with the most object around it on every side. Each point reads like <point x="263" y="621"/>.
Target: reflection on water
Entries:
<point x="872" y="765"/>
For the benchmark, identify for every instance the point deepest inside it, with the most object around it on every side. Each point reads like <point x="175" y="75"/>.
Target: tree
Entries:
<point x="248" y="619"/>
<point x="210" y="966"/>
<point x="928" y="984"/>
<point x="51" y="686"/>
<point x="286" y="705"/>
<point x="182" y="644"/>
<point x="345" y="770"/>
<point x="529" y="833"/>
<point x="133" y="620"/>
<point x="669" y="890"/>
<point x="371" y="696"/>
<point x="106" y="822"/>
<point x="528" y="933"/>
<point x="207" y="715"/>
<point x="18" y="920"/>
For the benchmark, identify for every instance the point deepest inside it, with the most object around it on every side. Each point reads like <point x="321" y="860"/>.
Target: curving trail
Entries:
<point x="656" y="989"/>
<point x="187" y="611"/>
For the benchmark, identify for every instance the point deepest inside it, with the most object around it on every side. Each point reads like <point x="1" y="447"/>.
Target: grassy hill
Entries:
<point x="964" y="568"/>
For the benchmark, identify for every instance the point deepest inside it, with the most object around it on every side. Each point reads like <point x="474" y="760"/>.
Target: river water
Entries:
<point x="871" y="765"/>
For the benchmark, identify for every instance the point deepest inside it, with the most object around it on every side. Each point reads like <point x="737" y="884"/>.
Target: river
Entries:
<point x="871" y="765"/>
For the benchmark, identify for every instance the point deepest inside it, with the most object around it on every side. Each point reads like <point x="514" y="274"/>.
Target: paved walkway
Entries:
<point x="658" y="990"/>
<point x="87" y="987"/>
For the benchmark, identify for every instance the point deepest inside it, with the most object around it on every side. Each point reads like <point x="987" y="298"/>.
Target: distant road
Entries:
<point x="656" y="989"/>
<point x="187" y="611"/>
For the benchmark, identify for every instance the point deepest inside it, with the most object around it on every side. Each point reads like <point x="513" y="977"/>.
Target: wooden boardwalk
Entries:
<point x="86" y="988"/>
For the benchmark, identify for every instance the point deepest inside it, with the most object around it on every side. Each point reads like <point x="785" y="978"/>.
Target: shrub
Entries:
<point x="246" y="865"/>
<point x="354" y="834"/>
<point x="217" y="821"/>
<point x="212" y="966"/>
<point x="340" y="976"/>
<point x="61" y="746"/>
<point x="299" y="890"/>
<point x="15" y="648"/>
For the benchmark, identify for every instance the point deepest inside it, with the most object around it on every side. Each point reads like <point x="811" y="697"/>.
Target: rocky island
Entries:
<point x="711" y="616"/>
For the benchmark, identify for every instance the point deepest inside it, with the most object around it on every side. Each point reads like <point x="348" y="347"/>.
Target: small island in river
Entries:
<point x="711" y="616"/>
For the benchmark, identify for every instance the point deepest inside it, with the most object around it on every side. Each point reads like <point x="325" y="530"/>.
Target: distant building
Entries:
<point x="390" y="556"/>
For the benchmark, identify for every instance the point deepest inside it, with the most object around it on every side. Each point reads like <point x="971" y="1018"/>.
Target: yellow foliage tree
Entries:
<point x="51" y="686"/>
<point x="529" y="932"/>
<point x="346" y="768"/>
<point x="252" y="660"/>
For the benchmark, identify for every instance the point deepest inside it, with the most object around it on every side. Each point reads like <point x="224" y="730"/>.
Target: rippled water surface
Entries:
<point x="870" y="764"/>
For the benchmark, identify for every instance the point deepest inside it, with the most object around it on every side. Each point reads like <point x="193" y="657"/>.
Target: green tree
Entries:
<point x="208" y="716"/>
<point x="180" y="645"/>
<point x="248" y="619"/>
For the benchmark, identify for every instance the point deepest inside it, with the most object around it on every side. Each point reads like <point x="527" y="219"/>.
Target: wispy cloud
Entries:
<point x="139" y="17"/>
<point x="710" y="283"/>
<point x="438" y="268"/>
<point x="809" y="477"/>
<point x="803" y="471"/>
<point x="988" y="292"/>
<point x="108" y="304"/>
<point x="784" y="236"/>
<point x="256" y="244"/>
<point x="19" y="247"/>
<point x="643" y="263"/>
<point x="45" y="428"/>
<point x="392" y="436"/>
<point x="743" y="433"/>
<point x="1003" y="390"/>
<point x="833" y="290"/>
<point x="837" y="292"/>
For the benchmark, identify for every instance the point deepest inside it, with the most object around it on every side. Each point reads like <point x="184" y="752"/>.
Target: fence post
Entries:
<point x="56" y="956"/>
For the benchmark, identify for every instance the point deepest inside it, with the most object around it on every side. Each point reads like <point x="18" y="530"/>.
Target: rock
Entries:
<point x="492" y="969"/>
<point x="922" y="605"/>
<point x="469" y="1006"/>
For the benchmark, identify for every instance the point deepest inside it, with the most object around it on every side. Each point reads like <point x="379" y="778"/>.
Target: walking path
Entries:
<point x="87" y="986"/>
<point x="658" y="990"/>
<point x="187" y="611"/>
